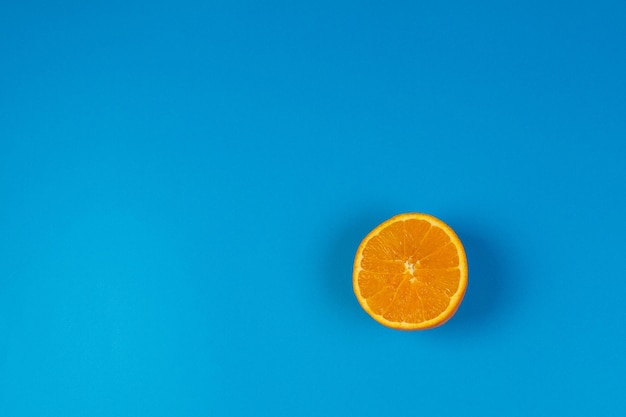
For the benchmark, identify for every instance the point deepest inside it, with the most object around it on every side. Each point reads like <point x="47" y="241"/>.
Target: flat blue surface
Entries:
<point x="183" y="186"/>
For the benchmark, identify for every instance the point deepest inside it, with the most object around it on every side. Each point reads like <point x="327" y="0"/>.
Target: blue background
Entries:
<point x="183" y="186"/>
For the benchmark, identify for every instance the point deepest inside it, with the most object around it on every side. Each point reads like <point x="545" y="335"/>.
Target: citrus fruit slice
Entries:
<point x="410" y="272"/>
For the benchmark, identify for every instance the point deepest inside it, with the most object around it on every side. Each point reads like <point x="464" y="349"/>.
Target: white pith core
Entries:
<point x="409" y="267"/>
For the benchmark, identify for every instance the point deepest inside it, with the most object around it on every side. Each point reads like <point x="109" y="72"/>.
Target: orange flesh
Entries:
<point x="410" y="272"/>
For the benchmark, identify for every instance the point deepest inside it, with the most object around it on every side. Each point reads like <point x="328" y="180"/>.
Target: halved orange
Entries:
<point x="410" y="272"/>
